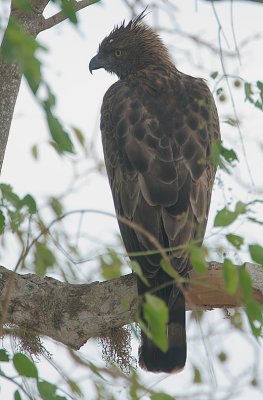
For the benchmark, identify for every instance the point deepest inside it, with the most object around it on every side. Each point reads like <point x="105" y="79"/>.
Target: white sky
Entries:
<point x="79" y="96"/>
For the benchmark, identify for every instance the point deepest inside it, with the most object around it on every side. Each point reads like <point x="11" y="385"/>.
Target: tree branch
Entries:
<point x="73" y="313"/>
<point x="60" y="16"/>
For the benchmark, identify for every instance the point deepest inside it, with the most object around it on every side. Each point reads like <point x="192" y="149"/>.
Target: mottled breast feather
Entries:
<point x="157" y="131"/>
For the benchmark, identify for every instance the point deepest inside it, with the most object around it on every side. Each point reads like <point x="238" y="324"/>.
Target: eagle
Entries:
<point x="158" y="128"/>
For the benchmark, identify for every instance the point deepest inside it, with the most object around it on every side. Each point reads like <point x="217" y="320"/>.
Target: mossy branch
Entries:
<point x="73" y="313"/>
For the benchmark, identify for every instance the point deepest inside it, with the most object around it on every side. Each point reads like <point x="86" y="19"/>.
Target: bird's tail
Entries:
<point x="151" y="357"/>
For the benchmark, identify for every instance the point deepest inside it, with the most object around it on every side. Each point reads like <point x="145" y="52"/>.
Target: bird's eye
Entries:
<point x="118" y="53"/>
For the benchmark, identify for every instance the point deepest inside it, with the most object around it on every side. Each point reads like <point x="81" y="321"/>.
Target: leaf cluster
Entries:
<point x="26" y="368"/>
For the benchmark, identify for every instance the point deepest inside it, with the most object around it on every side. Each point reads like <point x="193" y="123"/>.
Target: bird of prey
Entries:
<point x="158" y="126"/>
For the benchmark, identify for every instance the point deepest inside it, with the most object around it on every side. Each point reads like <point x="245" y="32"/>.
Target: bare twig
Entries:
<point x="60" y="16"/>
<point x="196" y="39"/>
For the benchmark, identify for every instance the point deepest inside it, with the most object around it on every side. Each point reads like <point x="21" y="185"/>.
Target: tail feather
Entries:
<point x="151" y="357"/>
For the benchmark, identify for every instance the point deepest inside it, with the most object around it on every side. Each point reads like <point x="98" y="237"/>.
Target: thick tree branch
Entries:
<point x="72" y="313"/>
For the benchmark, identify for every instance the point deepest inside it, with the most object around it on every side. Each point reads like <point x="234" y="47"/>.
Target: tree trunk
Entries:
<point x="10" y="74"/>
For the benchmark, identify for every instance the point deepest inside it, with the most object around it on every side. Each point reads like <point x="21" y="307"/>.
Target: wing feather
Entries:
<point x="157" y="142"/>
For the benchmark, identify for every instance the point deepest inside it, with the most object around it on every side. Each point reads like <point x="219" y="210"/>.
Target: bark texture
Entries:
<point x="73" y="313"/>
<point x="10" y="79"/>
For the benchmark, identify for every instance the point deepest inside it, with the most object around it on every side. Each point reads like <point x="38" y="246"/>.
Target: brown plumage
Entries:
<point x="157" y="126"/>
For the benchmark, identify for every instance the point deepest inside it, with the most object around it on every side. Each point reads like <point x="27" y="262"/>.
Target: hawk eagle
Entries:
<point x="158" y="125"/>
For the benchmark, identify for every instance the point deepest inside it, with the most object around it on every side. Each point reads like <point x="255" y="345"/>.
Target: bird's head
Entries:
<point x="130" y="48"/>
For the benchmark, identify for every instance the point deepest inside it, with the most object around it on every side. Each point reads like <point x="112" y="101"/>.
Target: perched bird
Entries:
<point x="158" y="126"/>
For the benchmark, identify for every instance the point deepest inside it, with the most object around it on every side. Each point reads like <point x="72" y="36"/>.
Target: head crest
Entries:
<point x="135" y="21"/>
<point x="132" y="25"/>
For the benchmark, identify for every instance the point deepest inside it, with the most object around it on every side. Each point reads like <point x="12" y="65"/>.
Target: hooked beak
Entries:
<point x="95" y="63"/>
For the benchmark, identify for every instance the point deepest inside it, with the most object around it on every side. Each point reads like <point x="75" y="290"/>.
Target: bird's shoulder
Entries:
<point x="163" y="115"/>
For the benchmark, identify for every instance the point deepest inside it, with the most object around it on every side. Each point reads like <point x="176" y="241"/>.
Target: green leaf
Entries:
<point x="30" y="202"/>
<point x="50" y="102"/>
<point x="226" y="217"/>
<point x="241" y="208"/>
<point x="258" y="104"/>
<point x="230" y="276"/>
<point x="16" y="218"/>
<point x="80" y="136"/>
<point x="255" y="317"/>
<point x="222" y="156"/>
<point x="4" y="356"/>
<point x="235" y="240"/>
<point x="260" y="85"/>
<point x="256" y="253"/>
<point x="34" y="151"/>
<point x="248" y="92"/>
<point x="56" y="206"/>
<point x="68" y="8"/>
<point x="228" y="154"/>
<point x="59" y="135"/>
<point x="2" y="223"/>
<point x="111" y="265"/>
<point x="197" y="375"/>
<point x="245" y="283"/>
<point x="24" y="366"/>
<point x="17" y="395"/>
<point x="138" y="271"/>
<point x="44" y="258"/>
<point x="9" y="195"/>
<point x="155" y="312"/>
<point x="215" y="152"/>
<point x="133" y="392"/>
<point x="46" y="390"/>
<point x="197" y="258"/>
<point x="19" y="46"/>
<point x="161" y="396"/>
<point x="214" y="74"/>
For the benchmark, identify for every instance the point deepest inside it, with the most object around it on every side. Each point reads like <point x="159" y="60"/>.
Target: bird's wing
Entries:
<point x="157" y="137"/>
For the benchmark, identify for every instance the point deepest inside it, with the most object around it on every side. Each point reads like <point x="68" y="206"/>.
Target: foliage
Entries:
<point x="155" y="312"/>
<point x="25" y="367"/>
<point x="254" y="94"/>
